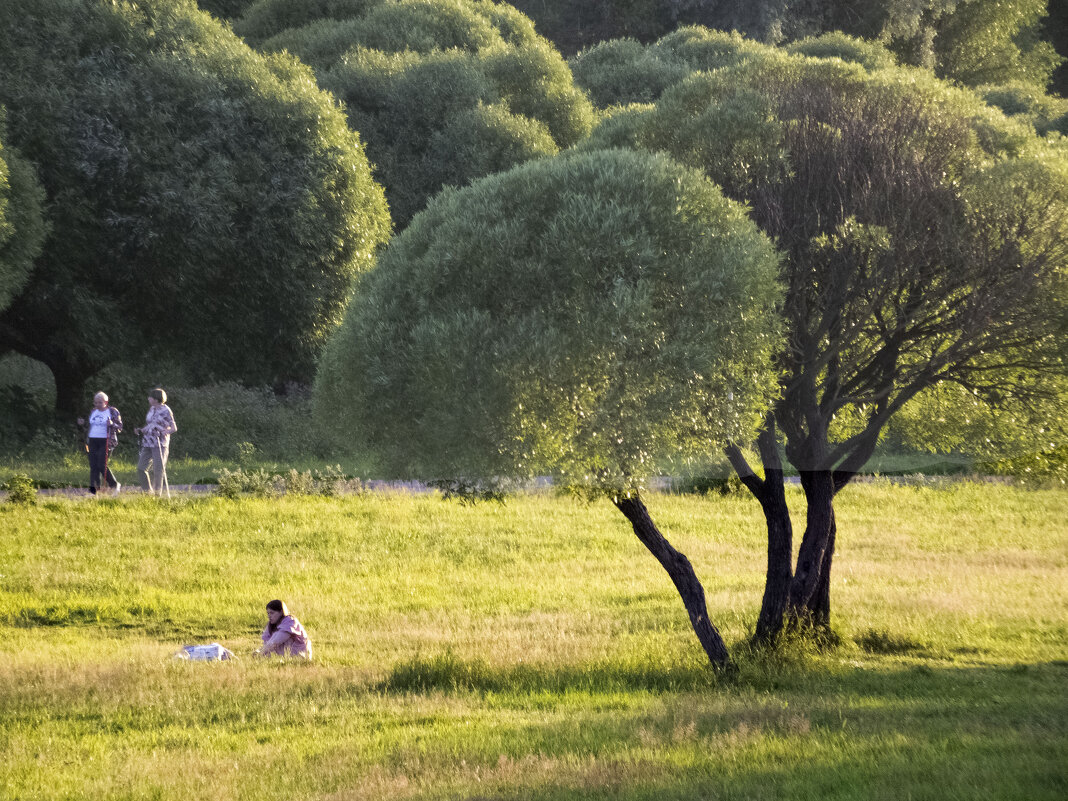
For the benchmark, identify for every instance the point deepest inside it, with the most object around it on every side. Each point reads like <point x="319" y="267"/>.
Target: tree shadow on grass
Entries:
<point x="912" y="731"/>
<point x="450" y="673"/>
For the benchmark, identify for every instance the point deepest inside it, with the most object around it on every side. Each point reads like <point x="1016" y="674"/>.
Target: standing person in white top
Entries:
<point x="155" y="441"/>
<point x="105" y="423"/>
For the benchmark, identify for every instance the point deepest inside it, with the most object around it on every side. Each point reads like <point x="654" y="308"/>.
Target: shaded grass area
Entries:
<point x="531" y="650"/>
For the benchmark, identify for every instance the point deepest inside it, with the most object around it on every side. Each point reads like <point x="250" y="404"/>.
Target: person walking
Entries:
<point x="105" y="423"/>
<point x="155" y="442"/>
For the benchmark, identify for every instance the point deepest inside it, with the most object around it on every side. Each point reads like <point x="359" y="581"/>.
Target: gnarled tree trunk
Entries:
<point x="819" y="605"/>
<point x="680" y="570"/>
<point x="819" y="491"/>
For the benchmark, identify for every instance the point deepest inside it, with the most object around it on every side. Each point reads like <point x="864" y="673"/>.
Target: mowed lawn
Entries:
<point x="531" y="650"/>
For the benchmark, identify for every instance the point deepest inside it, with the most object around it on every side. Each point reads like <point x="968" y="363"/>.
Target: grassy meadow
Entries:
<point x="531" y="650"/>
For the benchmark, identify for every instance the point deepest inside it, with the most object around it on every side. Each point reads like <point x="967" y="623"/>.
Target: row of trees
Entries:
<point x="205" y="203"/>
<point x="215" y="201"/>
<point x="442" y="91"/>
<point x="973" y="42"/>
<point x="970" y="41"/>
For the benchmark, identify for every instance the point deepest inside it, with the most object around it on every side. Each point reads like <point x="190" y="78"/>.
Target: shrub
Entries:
<point x="870" y="55"/>
<point x="328" y="482"/>
<point x="234" y="483"/>
<point x="242" y="423"/>
<point x="622" y="71"/>
<point x="297" y="483"/>
<point x="21" y="489"/>
<point x="1043" y="468"/>
<point x="266" y="18"/>
<point x="706" y="484"/>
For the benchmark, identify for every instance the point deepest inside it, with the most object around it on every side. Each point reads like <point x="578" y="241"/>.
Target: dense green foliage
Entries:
<point x="971" y="41"/>
<point x="589" y="316"/>
<point x="1045" y="112"/>
<point x="22" y="226"/>
<point x="204" y="200"/>
<point x="442" y="92"/>
<point x="976" y="42"/>
<point x="870" y="55"/>
<point x="925" y="239"/>
<point x="263" y="19"/>
<point x="225" y="9"/>
<point x="622" y="71"/>
<point x="794" y="137"/>
<point x="478" y="652"/>
<point x="1023" y="434"/>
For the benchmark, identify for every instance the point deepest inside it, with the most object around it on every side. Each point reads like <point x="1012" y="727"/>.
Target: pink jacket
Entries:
<point x="289" y="639"/>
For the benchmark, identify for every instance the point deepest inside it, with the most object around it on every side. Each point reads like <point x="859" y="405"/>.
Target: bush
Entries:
<point x="1028" y="102"/>
<point x="234" y="483"/>
<point x="870" y="55"/>
<point x="266" y="18"/>
<point x="21" y="489"/>
<point x="1044" y="468"/>
<point x="720" y="483"/>
<point x="622" y="71"/>
<point x="241" y="423"/>
<point x="260" y="483"/>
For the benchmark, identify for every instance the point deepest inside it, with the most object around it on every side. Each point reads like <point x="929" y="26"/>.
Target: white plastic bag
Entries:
<point x="205" y="653"/>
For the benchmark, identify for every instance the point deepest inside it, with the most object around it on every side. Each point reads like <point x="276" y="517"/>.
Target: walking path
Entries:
<point x="378" y="485"/>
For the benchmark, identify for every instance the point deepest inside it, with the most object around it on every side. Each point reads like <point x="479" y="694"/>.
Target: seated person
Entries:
<point x="284" y="635"/>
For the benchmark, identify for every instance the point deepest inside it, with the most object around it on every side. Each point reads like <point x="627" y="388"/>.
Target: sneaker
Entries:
<point x="118" y="487"/>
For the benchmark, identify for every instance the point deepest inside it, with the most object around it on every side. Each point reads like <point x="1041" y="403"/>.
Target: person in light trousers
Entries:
<point x="155" y="441"/>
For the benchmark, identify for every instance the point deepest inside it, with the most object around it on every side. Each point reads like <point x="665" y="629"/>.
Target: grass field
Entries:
<point x="528" y="651"/>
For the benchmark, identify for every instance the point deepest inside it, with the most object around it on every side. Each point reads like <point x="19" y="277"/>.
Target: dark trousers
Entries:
<point x="98" y="464"/>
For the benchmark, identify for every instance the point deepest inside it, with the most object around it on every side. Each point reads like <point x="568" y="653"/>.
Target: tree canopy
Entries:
<point x="593" y="317"/>
<point x="924" y="238"/>
<point x="585" y="316"/>
<point x="203" y="199"/>
<point x="442" y="92"/>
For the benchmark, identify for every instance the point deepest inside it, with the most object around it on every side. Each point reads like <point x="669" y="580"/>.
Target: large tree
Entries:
<point x="926" y="241"/>
<point x="442" y="91"/>
<point x="205" y="201"/>
<point x="588" y="317"/>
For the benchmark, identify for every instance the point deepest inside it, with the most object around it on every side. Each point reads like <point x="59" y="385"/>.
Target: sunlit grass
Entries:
<point x="530" y="650"/>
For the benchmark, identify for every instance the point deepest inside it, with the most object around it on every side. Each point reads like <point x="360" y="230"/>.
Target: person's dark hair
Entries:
<point x="275" y="606"/>
<point x="160" y="396"/>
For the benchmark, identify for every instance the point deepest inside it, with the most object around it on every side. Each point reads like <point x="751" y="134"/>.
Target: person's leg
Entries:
<point x="97" y="449"/>
<point x="144" y="461"/>
<point x="109" y="477"/>
<point x="161" y="470"/>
